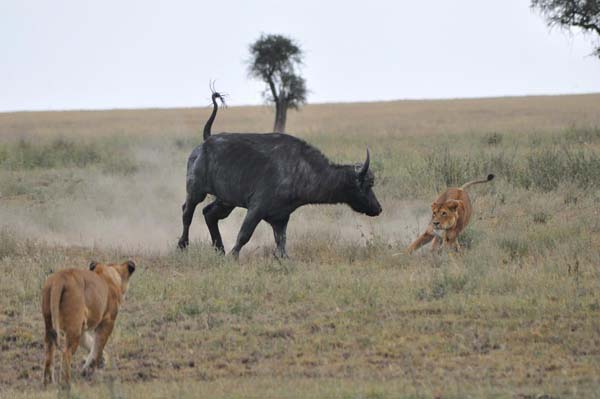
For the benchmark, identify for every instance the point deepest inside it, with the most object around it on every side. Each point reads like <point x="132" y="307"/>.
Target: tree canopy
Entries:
<point x="583" y="14"/>
<point x="276" y="60"/>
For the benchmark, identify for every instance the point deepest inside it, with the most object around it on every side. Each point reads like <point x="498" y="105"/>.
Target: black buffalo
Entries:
<point x="271" y="175"/>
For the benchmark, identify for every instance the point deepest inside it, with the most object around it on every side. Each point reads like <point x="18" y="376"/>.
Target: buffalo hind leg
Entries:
<point x="187" y="215"/>
<point x="251" y="220"/>
<point x="279" y="232"/>
<point x="214" y="212"/>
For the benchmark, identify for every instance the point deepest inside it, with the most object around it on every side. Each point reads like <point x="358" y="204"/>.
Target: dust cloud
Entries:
<point x="141" y="211"/>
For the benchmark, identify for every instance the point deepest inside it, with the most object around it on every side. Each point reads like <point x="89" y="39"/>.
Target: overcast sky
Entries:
<point x="128" y="54"/>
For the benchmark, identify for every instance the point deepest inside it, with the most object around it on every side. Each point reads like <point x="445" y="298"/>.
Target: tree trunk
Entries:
<point x="281" y="108"/>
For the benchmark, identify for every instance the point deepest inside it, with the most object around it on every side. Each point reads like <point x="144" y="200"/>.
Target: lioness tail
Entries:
<point x="469" y="184"/>
<point x="55" y="296"/>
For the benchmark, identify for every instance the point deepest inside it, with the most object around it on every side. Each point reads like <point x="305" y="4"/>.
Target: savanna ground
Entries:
<point x="350" y="315"/>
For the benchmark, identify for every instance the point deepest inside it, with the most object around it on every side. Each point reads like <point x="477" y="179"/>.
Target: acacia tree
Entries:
<point x="583" y="14"/>
<point x="275" y="59"/>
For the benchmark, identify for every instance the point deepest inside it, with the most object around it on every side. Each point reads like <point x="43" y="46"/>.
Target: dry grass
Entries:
<point x="350" y="316"/>
<point x="386" y="119"/>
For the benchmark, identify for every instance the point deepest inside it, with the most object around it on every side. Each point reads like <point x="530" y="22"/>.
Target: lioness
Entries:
<point x="451" y="212"/>
<point x="84" y="305"/>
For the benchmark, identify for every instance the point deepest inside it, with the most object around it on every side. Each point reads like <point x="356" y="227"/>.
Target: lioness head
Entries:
<point x="118" y="273"/>
<point x="445" y="215"/>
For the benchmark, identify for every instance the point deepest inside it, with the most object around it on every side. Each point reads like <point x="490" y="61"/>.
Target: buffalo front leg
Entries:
<point x="253" y="217"/>
<point x="279" y="232"/>
<point x="214" y="212"/>
<point x="187" y="215"/>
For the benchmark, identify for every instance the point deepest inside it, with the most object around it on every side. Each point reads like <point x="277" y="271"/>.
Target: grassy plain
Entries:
<point x="350" y="315"/>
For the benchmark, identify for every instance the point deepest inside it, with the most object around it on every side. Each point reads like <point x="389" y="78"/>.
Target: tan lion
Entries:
<point x="451" y="213"/>
<point x="83" y="304"/>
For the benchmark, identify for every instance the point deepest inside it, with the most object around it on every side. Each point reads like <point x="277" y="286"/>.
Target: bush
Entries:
<point x="9" y="244"/>
<point x="443" y="284"/>
<point x="548" y="168"/>
<point x="493" y="138"/>
<point x="541" y="217"/>
<point x="515" y="248"/>
<point x="450" y="170"/>
<point x="543" y="170"/>
<point x="60" y="153"/>
<point x="582" y="135"/>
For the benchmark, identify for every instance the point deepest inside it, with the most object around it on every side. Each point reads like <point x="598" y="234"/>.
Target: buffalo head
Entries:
<point x="361" y="196"/>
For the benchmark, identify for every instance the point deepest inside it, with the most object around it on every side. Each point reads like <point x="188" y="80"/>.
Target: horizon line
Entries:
<point x="415" y="99"/>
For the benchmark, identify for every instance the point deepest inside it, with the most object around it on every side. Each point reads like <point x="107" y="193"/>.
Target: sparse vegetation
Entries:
<point x="350" y="315"/>
<point x="61" y="152"/>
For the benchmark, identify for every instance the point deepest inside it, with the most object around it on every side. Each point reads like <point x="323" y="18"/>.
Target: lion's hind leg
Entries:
<point x="51" y="340"/>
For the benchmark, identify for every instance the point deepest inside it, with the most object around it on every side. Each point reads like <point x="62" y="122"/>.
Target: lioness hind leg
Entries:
<point x="72" y="342"/>
<point x="50" y="341"/>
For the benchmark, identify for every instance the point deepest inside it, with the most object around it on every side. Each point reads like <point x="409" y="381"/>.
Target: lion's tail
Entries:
<point x="56" y="292"/>
<point x="490" y="177"/>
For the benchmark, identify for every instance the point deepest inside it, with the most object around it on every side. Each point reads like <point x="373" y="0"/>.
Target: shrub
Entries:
<point x="541" y="217"/>
<point x="493" y="138"/>
<point x="9" y="244"/>
<point x="515" y="248"/>
<point x="442" y="284"/>
<point x="582" y="135"/>
<point x="60" y="153"/>
<point x="548" y="168"/>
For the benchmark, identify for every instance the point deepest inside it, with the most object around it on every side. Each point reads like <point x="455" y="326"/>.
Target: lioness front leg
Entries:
<point x="451" y="241"/>
<point x="422" y="240"/>
<point x="87" y="341"/>
<point x="436" y="245"/>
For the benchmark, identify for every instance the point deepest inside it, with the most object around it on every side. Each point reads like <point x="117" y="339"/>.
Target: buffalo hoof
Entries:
<point x="182" y="244"/>
<point x="235" y="254"/>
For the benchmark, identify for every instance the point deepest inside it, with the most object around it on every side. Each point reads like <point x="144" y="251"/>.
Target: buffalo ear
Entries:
<point x="453" y="204"/>
<point x="130" y="267"/>
<point x="93" y="265"/>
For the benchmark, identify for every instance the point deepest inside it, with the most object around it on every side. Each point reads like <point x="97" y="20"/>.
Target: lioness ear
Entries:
<point x="93" y="265"/>
<point x="130" y="267"/>
<point x="433" y="206"/>
<point x="453" y="204"/>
